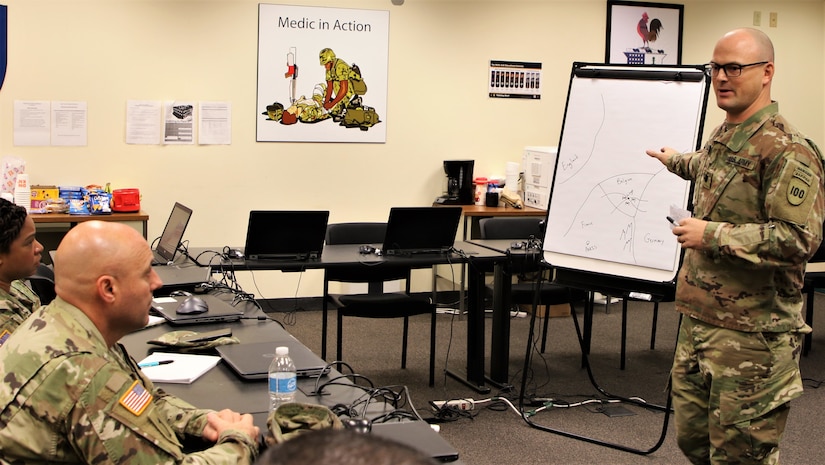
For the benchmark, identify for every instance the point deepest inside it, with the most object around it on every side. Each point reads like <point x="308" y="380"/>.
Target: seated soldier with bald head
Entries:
<point x="71" y="394"/>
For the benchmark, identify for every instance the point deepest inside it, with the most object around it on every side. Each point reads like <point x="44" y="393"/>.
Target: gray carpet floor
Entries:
<point x="495" y="433"/>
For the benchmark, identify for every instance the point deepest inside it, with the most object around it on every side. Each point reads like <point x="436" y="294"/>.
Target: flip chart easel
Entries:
<point x="607" y="229"/>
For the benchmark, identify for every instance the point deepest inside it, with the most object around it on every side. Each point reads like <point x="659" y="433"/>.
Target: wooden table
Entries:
<point x="474" y="213"/>
<point x="73" y="220"/>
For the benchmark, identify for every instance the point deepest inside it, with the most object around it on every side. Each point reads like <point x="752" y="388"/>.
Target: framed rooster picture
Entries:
<point x="643" y="33"/>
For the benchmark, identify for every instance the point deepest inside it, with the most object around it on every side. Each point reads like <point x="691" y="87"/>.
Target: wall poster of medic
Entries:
<point x="322" y="74"/>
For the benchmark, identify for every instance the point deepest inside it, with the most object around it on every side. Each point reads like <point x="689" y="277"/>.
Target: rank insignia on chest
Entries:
<point x="136" y="399"/>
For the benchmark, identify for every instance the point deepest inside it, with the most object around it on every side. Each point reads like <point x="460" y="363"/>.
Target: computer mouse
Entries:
<point x="359" y="425"/>
<point x="191" y="305"/>
<point x="366" y="249"/>
<point x="235" y="254"/>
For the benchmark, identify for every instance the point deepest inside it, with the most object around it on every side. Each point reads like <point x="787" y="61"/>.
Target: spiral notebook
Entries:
<point x="177" y="368"/>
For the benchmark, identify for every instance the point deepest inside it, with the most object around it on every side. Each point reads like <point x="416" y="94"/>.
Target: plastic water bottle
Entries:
<point x="282" y="379"/>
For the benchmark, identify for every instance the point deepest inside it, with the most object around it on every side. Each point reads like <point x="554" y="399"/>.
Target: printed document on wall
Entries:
<point x="143" y="122"/>
<point x="179" y="123"/>
<point x="31" y="122"/>
<point x="215" y="123"/>
<point x="70" y="123"/>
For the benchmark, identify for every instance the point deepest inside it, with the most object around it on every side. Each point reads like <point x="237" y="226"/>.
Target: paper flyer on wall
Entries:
<point x="179" y="123"/>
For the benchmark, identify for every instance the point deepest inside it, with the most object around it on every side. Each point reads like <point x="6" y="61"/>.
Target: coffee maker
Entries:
<point x="460" y="189"/>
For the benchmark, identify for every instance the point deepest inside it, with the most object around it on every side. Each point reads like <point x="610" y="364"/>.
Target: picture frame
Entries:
<point x="644" y="33"/>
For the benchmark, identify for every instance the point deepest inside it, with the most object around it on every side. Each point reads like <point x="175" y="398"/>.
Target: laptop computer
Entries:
<point x="285" y="235"/>
<point x="172" y="234"/>
<point x="412" y="230"/>
<point x="174" y="276"/>
<point x="418" y="435"/>
<point x="219" y="310"/>
<point x="251" y="360"/>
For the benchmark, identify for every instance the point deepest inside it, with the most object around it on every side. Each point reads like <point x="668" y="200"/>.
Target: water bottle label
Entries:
<point x="283" y="385"/>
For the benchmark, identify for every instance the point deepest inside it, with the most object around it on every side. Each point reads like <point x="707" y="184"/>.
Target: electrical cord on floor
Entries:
<point x="457" y="409"/>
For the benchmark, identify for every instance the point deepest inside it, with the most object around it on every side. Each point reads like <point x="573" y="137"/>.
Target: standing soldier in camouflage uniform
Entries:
<point x="758" y="212"/>
<point x="71" y="394"/>
<point x="19" y="257"/>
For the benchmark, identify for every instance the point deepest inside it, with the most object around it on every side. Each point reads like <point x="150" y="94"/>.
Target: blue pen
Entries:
<point x="154" y="364"/>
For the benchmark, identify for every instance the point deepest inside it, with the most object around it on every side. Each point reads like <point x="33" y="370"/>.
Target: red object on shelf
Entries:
<point x="126" y="200"/>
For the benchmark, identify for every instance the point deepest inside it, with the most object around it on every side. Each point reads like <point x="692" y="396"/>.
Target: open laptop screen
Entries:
<point x="291" y="234"/>
<point x="421" y="230"/>
<point x="173" y="232"/>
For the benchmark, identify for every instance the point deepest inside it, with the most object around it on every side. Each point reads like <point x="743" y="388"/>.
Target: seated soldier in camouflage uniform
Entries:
<point x="757" y="220"/>
<point x="19" y="257"/>
<point x="71" y="394"/>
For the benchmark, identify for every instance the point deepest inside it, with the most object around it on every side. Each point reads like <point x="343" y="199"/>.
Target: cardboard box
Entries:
<point x="555" y="310"/>
<point x="40" y="197"/>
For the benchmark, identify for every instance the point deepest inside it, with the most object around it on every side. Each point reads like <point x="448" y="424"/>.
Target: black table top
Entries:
<point x="346" y="255"/>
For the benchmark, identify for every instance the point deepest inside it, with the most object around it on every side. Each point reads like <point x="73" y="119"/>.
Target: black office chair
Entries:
<point x="42" y="283"/>
<point x="669" y="295"/>
<point x="813" y="281"/>
<point x="522" y="292"/>
<point x="375" y="303"/>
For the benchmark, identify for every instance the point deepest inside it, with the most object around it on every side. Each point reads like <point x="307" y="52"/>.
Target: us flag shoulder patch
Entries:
<point x="136" y="399"/>
<point x="3" y="336"/>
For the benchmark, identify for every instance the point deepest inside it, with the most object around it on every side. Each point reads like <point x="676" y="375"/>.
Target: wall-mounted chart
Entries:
<point x="609" y="200"/>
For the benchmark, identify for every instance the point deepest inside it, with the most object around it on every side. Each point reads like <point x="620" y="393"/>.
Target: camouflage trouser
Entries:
<point x="731" y="391"/>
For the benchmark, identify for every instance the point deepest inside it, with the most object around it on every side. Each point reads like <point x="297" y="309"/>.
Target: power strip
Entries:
<point x="460" y="404"/>
<point x="447" y="311"/>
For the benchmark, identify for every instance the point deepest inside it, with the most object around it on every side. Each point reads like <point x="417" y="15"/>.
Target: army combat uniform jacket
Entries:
<point x="760" y="186"/>
<point x="15" y="306"/>
<point x="66" y="397"/>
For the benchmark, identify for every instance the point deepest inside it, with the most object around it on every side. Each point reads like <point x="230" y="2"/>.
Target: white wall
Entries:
<point x="105" y="52"/>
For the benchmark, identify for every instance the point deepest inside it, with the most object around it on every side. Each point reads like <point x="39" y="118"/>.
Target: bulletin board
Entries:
<point x="609" y="201"/>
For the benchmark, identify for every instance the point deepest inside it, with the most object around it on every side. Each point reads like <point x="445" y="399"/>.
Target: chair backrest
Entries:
<point x="361" y="233"/>
<point x="42" y="283"/>
<point x="512" y="227"/>
<point x="518" y="227"/>
<point x="355" y="233"/>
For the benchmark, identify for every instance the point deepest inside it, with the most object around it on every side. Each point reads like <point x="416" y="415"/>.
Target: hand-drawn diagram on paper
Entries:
<point x="610" y="200"/>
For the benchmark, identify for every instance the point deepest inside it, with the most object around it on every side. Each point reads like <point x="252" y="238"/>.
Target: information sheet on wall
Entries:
<point x="514" y="79"/>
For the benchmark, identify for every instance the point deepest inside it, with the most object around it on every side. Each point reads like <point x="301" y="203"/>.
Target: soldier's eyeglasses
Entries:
<point x="731" y="69"/>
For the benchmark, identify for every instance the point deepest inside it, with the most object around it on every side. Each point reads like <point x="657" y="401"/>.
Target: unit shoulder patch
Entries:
<point x="799" y="185"/>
